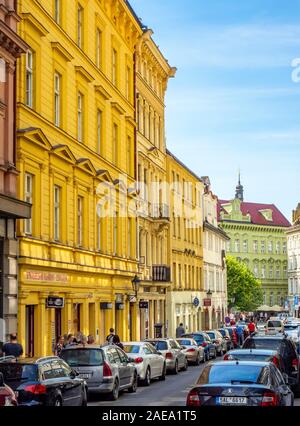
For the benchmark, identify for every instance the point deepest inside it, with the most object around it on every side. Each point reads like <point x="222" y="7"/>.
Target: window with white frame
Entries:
<point x="57" y="212"/>
<point x="57" y="11"/>
<point x="80" y="26"/>
<point x="128" y="82"/>
<point x="115" y="234"/>
<point x="255" y="246"/>
<point x="29" y="78"/>
<point x="237" y="246"/>
<point x="271" y="271"/>
<point x="263" y="271"/>
<point x="284" y="247"/>
<point x="114" y="67"/>
<point x="80" y="221"/>
<point x="245" y="246"/>
<point x="99" y="48"/>
<point x="277" y="273"/>
<point x="80" y="117"/>
<point x="129" y="233"/>
<point x="99" y="228"/>
<point x="57" y="98"/>
<point x="255" y="270"/>
<point x="263" y="247"/>
<point x="270" y="246"/>
<point x="278" y="247"/>
<point x="115" y="143"/>
<point x="28" y="199"/>
<point x="99" y="131"/>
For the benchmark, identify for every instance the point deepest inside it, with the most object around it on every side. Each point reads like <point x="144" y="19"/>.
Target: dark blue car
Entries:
<point x="203" y="339"/>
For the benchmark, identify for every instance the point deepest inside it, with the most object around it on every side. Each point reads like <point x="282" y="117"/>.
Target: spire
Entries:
<point x="239" y="193"/>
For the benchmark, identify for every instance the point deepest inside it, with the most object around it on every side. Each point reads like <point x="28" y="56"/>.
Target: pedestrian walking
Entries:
<point x="180" y="330"/>
<point x="58" y="346"/>
<point x="251" y="327"/>
<point x="113" y="338"/>
<point x="240" y="334"/>
<point x="12" y="348"/>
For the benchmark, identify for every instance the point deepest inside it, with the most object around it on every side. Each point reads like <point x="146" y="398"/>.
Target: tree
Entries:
<point x="242" y="286"/>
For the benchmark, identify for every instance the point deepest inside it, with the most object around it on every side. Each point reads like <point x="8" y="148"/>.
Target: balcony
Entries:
<point x="160" y="212"/>
<point x="161" y="273"/>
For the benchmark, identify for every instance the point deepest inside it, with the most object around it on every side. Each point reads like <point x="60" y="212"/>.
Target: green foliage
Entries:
<point x="243" y="286"/>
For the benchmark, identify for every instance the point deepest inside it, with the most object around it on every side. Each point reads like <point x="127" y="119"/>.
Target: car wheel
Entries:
<point x="84" y="398"/>
<point x="164" y="372"/>
<point x="147" y="380"/>
<point x="114" y="394"/>
<point x="134" y="385"/>
<point x="175" y="370"/>
<point x="57" y="402"/>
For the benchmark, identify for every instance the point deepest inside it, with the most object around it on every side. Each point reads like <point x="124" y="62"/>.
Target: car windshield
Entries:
<point x="263" y="343"/>
<point x="160" y="345"/>
<point x="82" y="357"/>
<point x="184" y="342"/>
<point x="230" y="374"/>
<point x="274" y="324"/>
<point x="18" y="372"/>
<point x="211" y="335"/>
<point x="131" y="349"/>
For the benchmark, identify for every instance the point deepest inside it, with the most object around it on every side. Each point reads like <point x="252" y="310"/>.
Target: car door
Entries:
<point x="116" y="361"/>
<point x="76" y="383"/>
<point x="157" y="361"/>
<point x="67" y="385"/>
<point x="179" y="355"/>
<point x="284" y="389"/>
<point x="148" y="355"/>
<point x="126" y="368"/>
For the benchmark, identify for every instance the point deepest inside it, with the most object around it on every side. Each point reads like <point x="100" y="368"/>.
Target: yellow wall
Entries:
<point x="54" y="156"/>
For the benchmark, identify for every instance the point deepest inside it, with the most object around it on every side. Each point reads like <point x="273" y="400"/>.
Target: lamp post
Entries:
<point x="136" y="285"/>
<point x="209" y="293"/>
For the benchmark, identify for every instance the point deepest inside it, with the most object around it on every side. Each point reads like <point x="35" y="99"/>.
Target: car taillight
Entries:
<point x="228" y="357"/>
<point x="191" y="350"/>
<point x="106" y="370"/>
<point x="193" y="399"/>
<point x="275" y="361"/>
<point x="169" y="355"/>
<point x="36" y="389"/>
<point x="139" y="359"/>
<point x="295" y="362"/>
<point x="270" y="399"/>
<point x="204" y="344"/>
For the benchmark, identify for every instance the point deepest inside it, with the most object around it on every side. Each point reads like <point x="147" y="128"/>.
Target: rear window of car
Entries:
<point x="291" y="327"/>
<point x="184" y="342"/>
<point x="131" y="349"/>
<point x="82" y="357"/>
<point x="19" y="372"/>
<point x="198" y="338"/>
<point x="223" y="332"/>
<point x="211" y="335"/>
<point x="274" y="324"/>
<point x="262" y="343"/>
<point x="231" y="374"/>
<point x="251" y="357"/>
<point x="160" y="345"/>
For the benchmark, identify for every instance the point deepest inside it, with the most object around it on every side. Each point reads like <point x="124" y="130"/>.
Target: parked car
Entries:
<point x="274" y="327"/>
<point x="150" y="363"/>
<point x="217" y="338"/>
<point x="106" y="369"/>
<point x="256" y="355"/>
<point x="293" y="331"/>
<point x="287" y="350"/>
<point x="233" y="335"/>
<point x="202" y="339"/>
<point x="7" y="395"/>
<point x="261" y="327"/>
<point x="44" y="381"/>
<point x="226" y="336"/>
<point x="175" y="357"/>
<point x="240" y="383"/>
<point x="194" y="353"/>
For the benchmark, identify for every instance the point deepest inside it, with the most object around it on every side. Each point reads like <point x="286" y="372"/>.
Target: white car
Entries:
<point x="150" y="363"/>
<point x="293" y="331"/>
<point x="274" y="327"/>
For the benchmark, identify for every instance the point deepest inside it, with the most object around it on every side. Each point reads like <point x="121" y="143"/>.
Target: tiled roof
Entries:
<point x="278" y="219"/>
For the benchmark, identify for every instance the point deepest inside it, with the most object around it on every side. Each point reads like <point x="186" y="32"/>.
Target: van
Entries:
<point x="274" y="326"/>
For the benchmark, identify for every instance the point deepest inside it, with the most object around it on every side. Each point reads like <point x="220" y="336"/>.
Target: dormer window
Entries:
<point x="267" y="214"/>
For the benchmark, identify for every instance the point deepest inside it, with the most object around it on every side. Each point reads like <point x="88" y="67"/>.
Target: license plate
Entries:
<point x="85" y="375"/>
<point x="231" y="400"/>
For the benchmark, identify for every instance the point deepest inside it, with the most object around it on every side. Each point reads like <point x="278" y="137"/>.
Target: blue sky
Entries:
<point x="233" y="103"/>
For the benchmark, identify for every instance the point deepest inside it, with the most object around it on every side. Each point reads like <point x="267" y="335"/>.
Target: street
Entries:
<point x="172" y="392"/>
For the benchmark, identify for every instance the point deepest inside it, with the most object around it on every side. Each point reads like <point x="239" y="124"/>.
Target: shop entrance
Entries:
<point x="76" y="317"/>
<point x="57" y="324"/>
<point x="29" y="338"/>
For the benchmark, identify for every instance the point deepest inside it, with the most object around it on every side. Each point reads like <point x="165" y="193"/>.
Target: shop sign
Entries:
<point x="206" y="302"/>
<point x="46" y="276"/>
<point x="55" y="302"/>
<point x="120" y="306"/>
<point x="196" y="301"/>
<point x="105" y="305"/>
<point x="143" y="304"/>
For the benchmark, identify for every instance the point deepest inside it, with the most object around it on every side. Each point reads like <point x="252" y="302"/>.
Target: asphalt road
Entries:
<point x="173" y="391"/>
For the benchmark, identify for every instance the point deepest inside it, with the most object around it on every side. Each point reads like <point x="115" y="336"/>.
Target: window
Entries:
<point x="271" y="299"/>
<point x="115" y="232"/>
<point x="237" y="246"/>
<point x="128" y="80"/>
<point x="99" y="228"/>
<point x="115" y="144"/>
<point x="278" y="247"/>
<point x="278" y="271"/>
<point x="79" y="26"/>
<point x="80" y="117"/>
<point x="29" y="79"/>
<point x="57" y="201"/>
<point x="271" y="271"/>
<point x="263" y="247"/>
<point x="99" y="48"/>
<point x="255" y="270"/>
<point x="174" y="277"/>
<point x="285" y="271"/>
<point x="114" y="67"/>
<point x="270" y="247"/>
<point x="99" y="131"/>
<point x="28" y="199"/>
<point x="129" y="155"/>
<point x="57" y="11"/>
<point x="80" y="221"/>
<point x="255" y="246"/>
<point x="179" y="276"/>
<point x="245" y="246"/>
<point x="284" y="247"/>
<point x="129" y="236"/>
<point x="57" y="99"/>
<point x="263" y="271"/>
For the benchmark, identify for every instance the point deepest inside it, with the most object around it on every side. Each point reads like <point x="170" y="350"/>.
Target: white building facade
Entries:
<point x="293" y="244"/>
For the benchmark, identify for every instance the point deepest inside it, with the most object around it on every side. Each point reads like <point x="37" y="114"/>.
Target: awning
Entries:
<point x="13" y="208"/>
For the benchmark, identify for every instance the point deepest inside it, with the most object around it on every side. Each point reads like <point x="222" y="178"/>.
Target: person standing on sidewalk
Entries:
<point x="180" y="330"/>
<point x="13" y="348"/>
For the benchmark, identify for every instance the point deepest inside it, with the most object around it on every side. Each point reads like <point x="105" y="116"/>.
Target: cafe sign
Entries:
<point x="46" y="276"/>
<point x="55" y="302"/>
<point x="207" y="302"/>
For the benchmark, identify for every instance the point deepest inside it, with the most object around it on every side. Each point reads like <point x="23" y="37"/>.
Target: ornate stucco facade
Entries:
<point x="293" y="247"/>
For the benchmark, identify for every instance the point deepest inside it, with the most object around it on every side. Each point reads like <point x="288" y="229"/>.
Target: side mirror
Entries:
<point x="1" y="380"/>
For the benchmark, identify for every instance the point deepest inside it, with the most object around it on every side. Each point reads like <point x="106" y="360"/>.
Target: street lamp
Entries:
<point x="209" y="293"/>
<point x="136" y="285"/>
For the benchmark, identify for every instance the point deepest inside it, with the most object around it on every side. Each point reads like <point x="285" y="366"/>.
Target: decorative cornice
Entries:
<point x="35" y="24"/>
<point x="102" y="92"/>
<point x="56" y="46"/>
<point x="118" y="107"/>
<point x="84" y="74"/>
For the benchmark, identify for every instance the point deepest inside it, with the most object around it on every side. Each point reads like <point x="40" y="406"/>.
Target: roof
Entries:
<point x="256" y="217"/>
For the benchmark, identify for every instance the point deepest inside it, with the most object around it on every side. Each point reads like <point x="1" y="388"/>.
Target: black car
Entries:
<point x="241" y="383"/>
<point x="225" y="333"/>
<point x="202" y="339"/>
<point x="256" y="355"/>
<point x="287" y="350"/>
<point x="44" y="381"/>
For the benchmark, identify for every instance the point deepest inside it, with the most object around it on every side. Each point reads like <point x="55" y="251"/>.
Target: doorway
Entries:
<point x="57" y="324"/>
<point x="29" y="338"/>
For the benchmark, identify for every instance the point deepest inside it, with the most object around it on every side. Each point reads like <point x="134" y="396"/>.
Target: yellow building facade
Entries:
<point x="185" y="297"/>
<point x="76" y="158"/>
<point x="152" y="75"/>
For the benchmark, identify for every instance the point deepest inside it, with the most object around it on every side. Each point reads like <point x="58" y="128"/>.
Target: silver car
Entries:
<point x="175" y="357"/>
<point x="150" y="364"/>
<point x="194" y="353"/>
<point x="218" y="340"/>
<point x="106" y="369"/>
